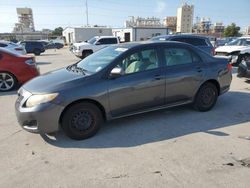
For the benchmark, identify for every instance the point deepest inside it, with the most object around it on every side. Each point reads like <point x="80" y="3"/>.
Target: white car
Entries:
<point x="236" y="50"/>
<point x="83" y="49"/>
<point x="13" y="47"/>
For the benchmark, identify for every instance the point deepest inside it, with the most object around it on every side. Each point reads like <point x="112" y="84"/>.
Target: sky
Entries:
<point x="50" y="14"/>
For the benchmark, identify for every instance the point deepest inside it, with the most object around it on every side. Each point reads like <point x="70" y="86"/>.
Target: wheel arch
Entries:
<point x="213" y="81"/>
<point x="98" y="104"/>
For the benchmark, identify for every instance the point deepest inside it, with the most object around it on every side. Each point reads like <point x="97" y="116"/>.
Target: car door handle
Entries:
<point x="199" y="69"/>
<point x="158" y="77"/>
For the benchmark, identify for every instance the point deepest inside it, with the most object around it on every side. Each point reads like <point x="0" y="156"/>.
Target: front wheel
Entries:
<point x="7" y="81"/>
<point x="206" y="97"/>
<point x="82" y="121"/>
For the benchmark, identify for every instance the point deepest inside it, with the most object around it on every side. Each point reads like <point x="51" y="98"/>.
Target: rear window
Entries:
<point x="192" y="41"/>
<point x="3" y="45"/>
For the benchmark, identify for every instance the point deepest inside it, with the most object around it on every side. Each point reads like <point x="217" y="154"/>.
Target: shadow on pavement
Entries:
<point x="43" y="63"/>
<point x="231" y="109"/>
<point x="8" y="93"/>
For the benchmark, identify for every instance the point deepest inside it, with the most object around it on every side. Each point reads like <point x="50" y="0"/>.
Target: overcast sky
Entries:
<point x="51" y="14"/>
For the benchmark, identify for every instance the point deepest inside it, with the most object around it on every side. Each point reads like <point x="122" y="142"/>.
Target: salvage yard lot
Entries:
<point x="176" y="147"/>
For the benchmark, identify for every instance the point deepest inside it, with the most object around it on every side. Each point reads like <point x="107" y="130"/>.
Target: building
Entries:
<point x="25" y="21"/>
<point x="185" y="18"/>
<point x="248" y="30"/>
<point x="79" y="34"/>
<point x="170" y="22"/>
<point x="139" y="33"/>
<point x="218" y="29"/>
<point x="143" y="22"/>
<point x="202" y="26"/>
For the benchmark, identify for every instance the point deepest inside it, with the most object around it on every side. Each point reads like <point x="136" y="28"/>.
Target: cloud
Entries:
<point x="160" y="7"/>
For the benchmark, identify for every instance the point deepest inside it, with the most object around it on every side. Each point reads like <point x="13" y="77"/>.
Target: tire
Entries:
<point x="37" y="52"/>
<point x="86" y="53"/>
<point x="82" y="121"/>
<point x="245" y="57"/>
<point x="206" y="97"/>
<point x="7" y="81"/>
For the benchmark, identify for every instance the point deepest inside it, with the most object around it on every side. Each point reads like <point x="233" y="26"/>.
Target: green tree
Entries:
<point x="57" y="31"/>
<point x="232" y="30"/>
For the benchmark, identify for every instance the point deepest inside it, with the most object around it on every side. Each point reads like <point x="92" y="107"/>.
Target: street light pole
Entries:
<point x="87" y="13"/>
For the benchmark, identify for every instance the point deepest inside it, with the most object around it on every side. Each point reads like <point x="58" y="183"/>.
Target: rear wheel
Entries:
<point x="7" y="81"/>
<point x="82" y="121"/>
<point x="37" y="52"/>
<point x="206" y="97"/>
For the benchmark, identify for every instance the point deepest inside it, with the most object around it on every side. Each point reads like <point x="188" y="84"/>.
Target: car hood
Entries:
<point x="229" y="49"/>
<point x="54" y="81"/>
<point x="81" y="44"/>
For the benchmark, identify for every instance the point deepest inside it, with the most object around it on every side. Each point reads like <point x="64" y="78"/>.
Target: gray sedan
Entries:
<point x="118" y="81"/>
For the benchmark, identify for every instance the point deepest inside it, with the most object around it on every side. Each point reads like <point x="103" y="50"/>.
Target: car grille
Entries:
<point x="221" y="53"/>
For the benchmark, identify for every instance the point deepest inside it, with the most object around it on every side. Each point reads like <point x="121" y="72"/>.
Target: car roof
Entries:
<point x="182" y="36"/>
<point x="150" y="43"/>
<point x="8" y="51"/>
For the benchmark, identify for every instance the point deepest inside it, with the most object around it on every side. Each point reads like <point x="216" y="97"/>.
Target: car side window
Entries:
<point x="3" y="45"/>
<point x="108" y="41"/>
<point x="177" y="56"/>
<point x="140" y="61"/>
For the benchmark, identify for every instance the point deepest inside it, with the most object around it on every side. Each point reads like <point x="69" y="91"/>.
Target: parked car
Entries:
<point x="201" y="42"/>
<point x="84" y="49"/>
<point x="236" y="50"/>
<point x="244" y="69"/>
<point x="52" y="45"/>
<point x="35" y="47"/>
<point x="121" y="80"/>
<point x="13" y="47"/>
<point x="15" y="69"/>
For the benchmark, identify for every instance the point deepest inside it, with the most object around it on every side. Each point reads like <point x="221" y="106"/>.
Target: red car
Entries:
<point x="15" y="69"/>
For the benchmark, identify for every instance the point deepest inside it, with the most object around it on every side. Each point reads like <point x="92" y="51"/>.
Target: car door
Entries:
<point x="141" y="87"/>
<point x="104" y="42"/>
<point x="184" y="74"/>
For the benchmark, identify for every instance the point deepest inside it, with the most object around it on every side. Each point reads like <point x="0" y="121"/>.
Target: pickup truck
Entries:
<point x="83" y="49"/>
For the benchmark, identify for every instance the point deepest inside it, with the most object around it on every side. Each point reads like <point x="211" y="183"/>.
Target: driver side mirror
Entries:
<point x="116" y="73"/>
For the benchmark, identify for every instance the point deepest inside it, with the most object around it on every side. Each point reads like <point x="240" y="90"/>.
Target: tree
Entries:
<point x="232" y="31"/>
<point x="57" y="31"/>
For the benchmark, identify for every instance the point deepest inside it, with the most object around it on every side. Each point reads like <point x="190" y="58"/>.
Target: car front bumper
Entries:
<point x="77" y="53"/>
<point x="43" y="118"/>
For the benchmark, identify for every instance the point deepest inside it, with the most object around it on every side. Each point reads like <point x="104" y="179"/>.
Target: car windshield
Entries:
<point x="92" y="40"/>
<point x="100" y="59"/>
<point x="239" y="42"/>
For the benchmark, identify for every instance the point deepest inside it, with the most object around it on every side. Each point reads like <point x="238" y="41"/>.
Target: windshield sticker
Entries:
<point x="121" y="49"/>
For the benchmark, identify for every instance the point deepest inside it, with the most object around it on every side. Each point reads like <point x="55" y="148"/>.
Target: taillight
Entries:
<point x="29" y="62"/>
<point x="213" y="51"/>
<point x="229" y="67"/>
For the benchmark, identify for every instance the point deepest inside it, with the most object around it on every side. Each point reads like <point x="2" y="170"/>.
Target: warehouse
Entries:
<point x="79" y="34"/>
<point x="139" y="33"/>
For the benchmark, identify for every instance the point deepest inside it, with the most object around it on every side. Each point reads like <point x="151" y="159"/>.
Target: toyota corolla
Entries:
<point x="118" y="81"/>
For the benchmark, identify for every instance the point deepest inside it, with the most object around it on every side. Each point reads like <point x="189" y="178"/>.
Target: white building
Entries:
<point x="185" y="18"/>
<point x="139" y="33"/>
<point x="79" y="34"/>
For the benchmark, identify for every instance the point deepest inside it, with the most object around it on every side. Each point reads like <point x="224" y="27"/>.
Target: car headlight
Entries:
<point x="34" y="100"/>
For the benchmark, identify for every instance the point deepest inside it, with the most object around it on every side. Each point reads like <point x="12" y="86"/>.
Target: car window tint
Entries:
<point x="196" y="58"/>
<point x="108" y="41"/>
<point x="247" y="42"/>
<point x="177" y="56"/>
<point x="140" y="61"/>
<point x="3" y="45"/>
<point x="193" y="41"/>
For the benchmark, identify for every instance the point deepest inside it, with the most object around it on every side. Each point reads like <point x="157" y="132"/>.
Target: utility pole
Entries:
<point x="87" y="13"/>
